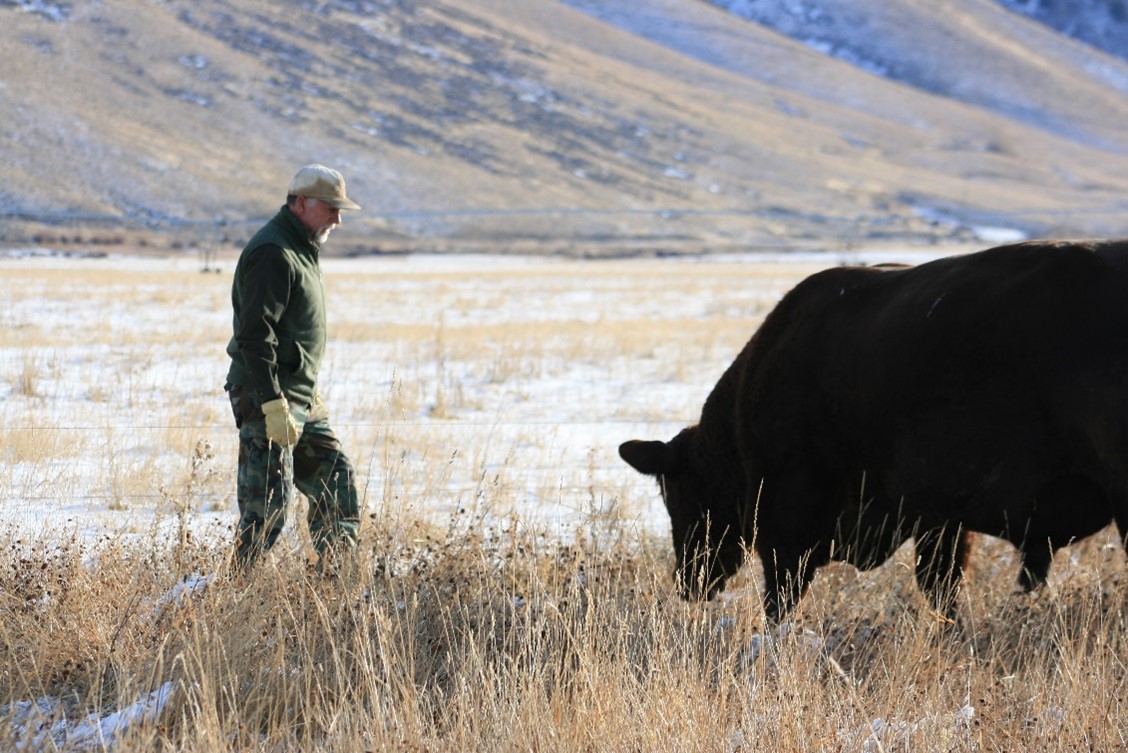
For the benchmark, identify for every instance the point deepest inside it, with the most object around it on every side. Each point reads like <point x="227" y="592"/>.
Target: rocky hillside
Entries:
<point x="1100" y="23"/>
<point x="573" y="126"/>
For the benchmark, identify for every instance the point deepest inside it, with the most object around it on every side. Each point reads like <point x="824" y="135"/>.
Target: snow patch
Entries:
<point x="43" y="723"/>
<point x="894" y="734"/>
<point x="991" y="234"/>
<point x="50" y="11"/>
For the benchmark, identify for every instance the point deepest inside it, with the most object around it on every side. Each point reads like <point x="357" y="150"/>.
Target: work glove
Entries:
<point x="280" y="425"/>
<point x="318" y="411"/>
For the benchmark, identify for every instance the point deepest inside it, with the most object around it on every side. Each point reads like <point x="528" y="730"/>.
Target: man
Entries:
<point x="276" y="350"/>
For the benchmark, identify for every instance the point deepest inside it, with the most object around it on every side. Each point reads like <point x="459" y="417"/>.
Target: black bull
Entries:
<point x="985" y="392"/>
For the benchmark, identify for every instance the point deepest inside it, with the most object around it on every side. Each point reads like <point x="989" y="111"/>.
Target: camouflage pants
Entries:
<point x="268" y="474"/>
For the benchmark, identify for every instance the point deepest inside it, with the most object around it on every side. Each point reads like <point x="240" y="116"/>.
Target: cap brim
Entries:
<point x="342" y="203"/>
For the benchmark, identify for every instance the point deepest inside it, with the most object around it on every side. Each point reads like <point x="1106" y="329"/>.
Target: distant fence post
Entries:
<point x="211" y="234"/>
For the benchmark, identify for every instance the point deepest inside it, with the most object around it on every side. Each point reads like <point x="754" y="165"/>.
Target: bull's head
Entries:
<point x="703" y="519"/>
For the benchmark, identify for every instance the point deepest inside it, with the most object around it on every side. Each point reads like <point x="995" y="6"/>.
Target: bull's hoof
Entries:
<point x="1030" y="581"/>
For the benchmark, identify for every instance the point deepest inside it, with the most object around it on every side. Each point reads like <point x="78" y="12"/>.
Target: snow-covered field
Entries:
<point x="498" y="387"/>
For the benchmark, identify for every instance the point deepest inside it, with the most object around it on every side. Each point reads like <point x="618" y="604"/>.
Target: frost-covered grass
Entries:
<point x="445" y="378"/>
<point x="513" y="590"/>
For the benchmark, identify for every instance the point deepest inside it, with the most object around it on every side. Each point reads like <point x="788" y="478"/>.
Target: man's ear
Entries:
<point x="652" y="458"/>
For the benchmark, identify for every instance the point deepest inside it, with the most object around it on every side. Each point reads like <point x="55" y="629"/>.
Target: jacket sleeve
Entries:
<point x="266" y="293"/>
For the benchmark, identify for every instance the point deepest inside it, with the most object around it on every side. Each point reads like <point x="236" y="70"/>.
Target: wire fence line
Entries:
<point x="526" y="479"/>
<point x="443" y="423"/>
<point x="540" y="492"/>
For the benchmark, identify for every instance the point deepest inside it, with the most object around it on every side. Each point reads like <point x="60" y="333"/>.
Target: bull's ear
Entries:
<point x="651" y="458"/>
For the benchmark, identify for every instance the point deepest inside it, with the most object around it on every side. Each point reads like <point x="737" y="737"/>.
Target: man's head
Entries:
<point x="316" y="197"/>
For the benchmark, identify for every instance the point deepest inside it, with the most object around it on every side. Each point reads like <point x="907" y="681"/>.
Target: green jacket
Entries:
<point x="279" y="313"/>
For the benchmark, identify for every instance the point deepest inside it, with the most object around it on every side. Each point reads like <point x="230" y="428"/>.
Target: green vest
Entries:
<point x="279" y="313"/>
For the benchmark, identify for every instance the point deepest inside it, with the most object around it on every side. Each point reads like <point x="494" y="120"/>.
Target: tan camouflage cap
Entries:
<point x="322" y="183"/>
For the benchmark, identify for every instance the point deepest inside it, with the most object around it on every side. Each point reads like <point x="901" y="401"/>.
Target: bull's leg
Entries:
<point x="787" y="573"/>
<point x="867" y="536"/>
<point x="1122" y="527"/>
<point x="1067" y="507"/>
<point x="941" y="557"/>
<point x="1036" y="559"/>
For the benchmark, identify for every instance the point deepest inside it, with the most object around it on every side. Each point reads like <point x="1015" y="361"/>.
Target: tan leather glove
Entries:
<point x="318" y="411"/>
<point x="280" y="425"/>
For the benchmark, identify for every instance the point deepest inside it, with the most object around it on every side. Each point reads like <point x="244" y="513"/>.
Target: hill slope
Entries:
<point x="569" y="126"/>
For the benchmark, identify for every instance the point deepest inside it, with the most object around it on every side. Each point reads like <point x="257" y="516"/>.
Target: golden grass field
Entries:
<point x="514" y="589"/>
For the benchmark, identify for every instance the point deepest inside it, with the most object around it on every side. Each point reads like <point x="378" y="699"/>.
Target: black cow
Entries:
<point x="986" y="392"/>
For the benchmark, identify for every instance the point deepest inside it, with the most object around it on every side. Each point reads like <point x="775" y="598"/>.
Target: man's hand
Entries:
<point x="280" y="425"/>
<point x="317" y="409"/>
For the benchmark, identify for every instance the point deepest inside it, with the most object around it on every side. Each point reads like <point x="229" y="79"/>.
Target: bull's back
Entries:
<point x="1013" y="317"/>
<point x="964" y="383"/>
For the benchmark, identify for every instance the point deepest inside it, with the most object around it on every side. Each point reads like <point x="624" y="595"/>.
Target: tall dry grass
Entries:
<point x="447" y="641"/>
<point x="512" y="589"/>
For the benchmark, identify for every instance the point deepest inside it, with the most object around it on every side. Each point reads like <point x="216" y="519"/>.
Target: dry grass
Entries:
<point x="513" y="584"/>
<point x="448" y="640"/>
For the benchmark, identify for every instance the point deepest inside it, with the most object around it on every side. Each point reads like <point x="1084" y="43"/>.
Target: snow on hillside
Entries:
<point x="1100" y="23"/>
<point x="917" y="44"/>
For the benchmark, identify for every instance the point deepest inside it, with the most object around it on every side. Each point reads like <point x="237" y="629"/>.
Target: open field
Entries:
<point x="514" y="592"/>
<point x="445" y="378"/>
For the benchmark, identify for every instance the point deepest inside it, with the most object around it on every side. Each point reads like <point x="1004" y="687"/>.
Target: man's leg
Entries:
<point x="327" y="478"/>
<point x="264" y="481"/>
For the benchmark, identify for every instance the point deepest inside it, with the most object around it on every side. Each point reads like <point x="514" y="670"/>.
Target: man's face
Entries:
<point x="318" y="217"/>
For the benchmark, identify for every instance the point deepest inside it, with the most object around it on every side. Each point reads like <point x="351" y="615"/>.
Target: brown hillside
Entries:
<point x="533" y="125"/>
